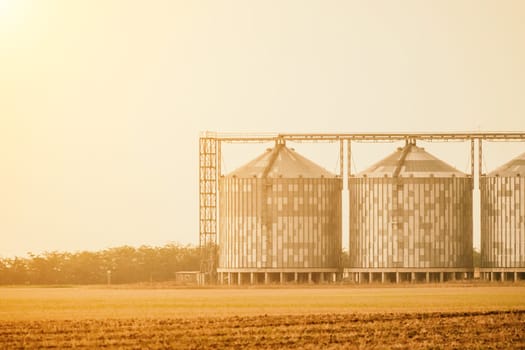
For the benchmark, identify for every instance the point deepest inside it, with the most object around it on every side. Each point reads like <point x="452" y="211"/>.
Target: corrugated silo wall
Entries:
<point x="280" y="223"/>
<point x="502" y="222"/>
<point x="410" y="222"/>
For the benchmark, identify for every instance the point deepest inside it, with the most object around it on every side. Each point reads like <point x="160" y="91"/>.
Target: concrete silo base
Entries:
<point x="510" y="274"/>
<point x="404" y="275"/>
<point x="249" y="276"/>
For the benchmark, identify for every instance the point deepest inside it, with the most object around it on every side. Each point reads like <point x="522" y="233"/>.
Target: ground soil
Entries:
<point x="460" y="330"/>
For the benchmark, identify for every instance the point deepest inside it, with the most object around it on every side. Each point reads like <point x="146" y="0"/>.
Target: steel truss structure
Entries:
<point x="210" y="168"/>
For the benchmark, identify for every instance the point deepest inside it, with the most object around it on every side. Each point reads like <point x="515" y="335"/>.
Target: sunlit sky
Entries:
<point x="102" y="101"/>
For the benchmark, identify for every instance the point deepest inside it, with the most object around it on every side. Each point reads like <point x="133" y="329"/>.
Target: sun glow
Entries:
<point x="4" y="7"/>
<point x="10" y="14"/>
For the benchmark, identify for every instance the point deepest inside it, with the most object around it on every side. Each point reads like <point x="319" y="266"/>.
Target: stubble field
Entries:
<point x="334" y="318"/>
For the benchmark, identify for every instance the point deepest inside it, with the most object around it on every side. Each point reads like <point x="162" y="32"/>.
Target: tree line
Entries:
<point x="126" y="265"/>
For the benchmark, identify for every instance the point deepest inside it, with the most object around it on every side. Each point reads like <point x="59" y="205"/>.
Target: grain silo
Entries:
<point x="279" y="220"/>
<point x="410" y="219"/>
<point x="503" y="221"/>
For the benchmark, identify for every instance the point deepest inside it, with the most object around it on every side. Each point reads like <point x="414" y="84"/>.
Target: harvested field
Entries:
<point x="458" y="317"/>
<point x="334" y="331"/>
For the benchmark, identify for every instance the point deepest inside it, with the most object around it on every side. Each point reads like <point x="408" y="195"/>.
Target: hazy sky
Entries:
<point x="102" y="101"/>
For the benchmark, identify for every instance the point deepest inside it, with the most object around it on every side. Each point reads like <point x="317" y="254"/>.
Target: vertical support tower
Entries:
<point x="209" y="157"/>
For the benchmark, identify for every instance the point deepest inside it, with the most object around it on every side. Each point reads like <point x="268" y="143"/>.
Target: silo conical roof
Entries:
<point x="411" y="161"/>
<point x="515" y="167"/>
<point x="281" y="161"/>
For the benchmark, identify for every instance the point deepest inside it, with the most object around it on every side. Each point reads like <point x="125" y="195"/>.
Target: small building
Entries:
<point x="189" y="277"/>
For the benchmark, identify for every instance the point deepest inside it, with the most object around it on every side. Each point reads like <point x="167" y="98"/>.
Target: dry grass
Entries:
<point x="76" y="303"/>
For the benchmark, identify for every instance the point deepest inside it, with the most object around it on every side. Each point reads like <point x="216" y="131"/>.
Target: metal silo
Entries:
<point x="503" y="221"/>
<point x="280" y="220"/>
<point x="410" y="219"/>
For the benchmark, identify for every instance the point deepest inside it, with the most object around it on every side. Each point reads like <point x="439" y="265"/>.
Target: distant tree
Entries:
<point x="476" y="257"/>
<point x="127" y="265"/>
<point x="15" y="271"/>
<point x="86" y="268"/>
<point x="190" y="259"/>
<point x="148" y="265"/>
<point x="47" y="268"/>
<point x="345" y="258"/>
<point x="124" y="264"/>
<point x="3" y="271"/>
